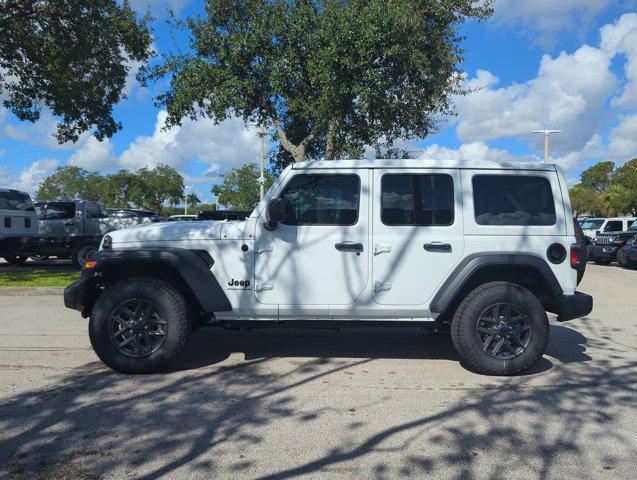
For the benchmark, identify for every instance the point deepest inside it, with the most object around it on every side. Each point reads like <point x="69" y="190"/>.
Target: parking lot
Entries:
<point x="360" y="403"/>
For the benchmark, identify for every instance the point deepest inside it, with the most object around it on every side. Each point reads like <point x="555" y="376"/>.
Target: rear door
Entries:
<point x="417" y="233"/>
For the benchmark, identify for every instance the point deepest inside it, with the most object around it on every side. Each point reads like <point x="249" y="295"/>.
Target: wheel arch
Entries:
<point x="527" y="270"/>
<point x="188" y="271"/>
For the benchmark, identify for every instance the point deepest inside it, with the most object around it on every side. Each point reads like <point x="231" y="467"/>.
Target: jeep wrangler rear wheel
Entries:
<point x="500" y="328"/>
<point x="139" y="325"/>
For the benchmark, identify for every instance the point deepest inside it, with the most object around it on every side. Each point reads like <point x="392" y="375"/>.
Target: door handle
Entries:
<point x="349" y="247"/>
<point x="437" y="247"/>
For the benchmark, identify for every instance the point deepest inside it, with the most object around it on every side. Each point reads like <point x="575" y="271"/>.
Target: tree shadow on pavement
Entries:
<point x="205" y="420"/>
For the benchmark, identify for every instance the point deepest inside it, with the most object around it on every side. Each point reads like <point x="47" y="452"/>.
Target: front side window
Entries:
<point x="614" y="226"/>
<point x="59" y="210"/>
<point x="93" y="211"/>
<point x="422" y="200"/>
<point x="322" y="200"/>
<point x="513" y="200"/>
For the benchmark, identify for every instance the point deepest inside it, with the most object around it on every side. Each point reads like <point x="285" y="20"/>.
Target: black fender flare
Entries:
<point x="473" y="263"/>
<point x="193" y="268"/>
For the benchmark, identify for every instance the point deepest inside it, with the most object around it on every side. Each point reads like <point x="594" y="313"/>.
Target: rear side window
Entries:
<point x="322" y="200"/>
<point x="423" y="200"/>
<point x="59" y="210"/>
<point x="513" y="200"/>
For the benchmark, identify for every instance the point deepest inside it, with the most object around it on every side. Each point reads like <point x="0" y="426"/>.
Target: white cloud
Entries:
<point x="474" y="151"/>
<point x="29" y="179"/>
<point x="544" y="19"/>
<point x="621" y="38"/>
<point x="93" y="154"/>
<point x="568" y="93"/>
<point x="227" y="145"/>
<point x="623" y="139"/>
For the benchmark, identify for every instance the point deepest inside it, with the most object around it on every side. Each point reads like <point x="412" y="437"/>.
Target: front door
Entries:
<point x="417" y="233"/>
<point x="319" y="255"/>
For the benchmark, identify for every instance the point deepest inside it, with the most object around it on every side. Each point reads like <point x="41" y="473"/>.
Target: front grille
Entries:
<point x="602" y="240"/>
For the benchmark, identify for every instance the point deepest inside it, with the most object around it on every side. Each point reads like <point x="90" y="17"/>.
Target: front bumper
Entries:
<point x="569" y="307"/>
<point x="602" y="251"/>
<point x="81" y="295"/>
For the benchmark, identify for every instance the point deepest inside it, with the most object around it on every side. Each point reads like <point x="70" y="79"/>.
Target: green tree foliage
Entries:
<point x="329" y="76"/>
<point x="192" y="200"/>
<point x="71" y="182"/>
<point x="240" y="187"/>
<point x="583" y="200"/>
<point x="598" y="177"/>
<point x="154" y="187"/>
<point x="70" y="56"/>
<point x="147" y="188"/>
<point x="606" y="191"/>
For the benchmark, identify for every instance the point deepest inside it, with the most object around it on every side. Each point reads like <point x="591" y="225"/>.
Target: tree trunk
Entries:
<point x="297" y="151"/>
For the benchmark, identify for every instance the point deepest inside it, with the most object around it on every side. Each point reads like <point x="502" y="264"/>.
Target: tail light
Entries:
<point x="577" y="256"/>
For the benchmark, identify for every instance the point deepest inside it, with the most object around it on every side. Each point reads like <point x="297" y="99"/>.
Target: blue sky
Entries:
<point x="562" y="64"/>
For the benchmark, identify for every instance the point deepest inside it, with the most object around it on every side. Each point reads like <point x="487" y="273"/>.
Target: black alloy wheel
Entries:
<point x="504" y="331"/>
<point x="137" y="328"/>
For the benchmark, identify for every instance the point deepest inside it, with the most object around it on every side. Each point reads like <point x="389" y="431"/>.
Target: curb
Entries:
<point x="26" y="291"/>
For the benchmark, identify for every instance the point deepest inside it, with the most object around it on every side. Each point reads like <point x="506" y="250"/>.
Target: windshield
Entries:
<point x="14" y="200"/>
<point x="592" y="224"/>
<point x="633" y="227"/>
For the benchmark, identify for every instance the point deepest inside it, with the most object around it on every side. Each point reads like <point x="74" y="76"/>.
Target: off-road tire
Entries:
<point x="623" y="260"/>
<point x="602" y="260"/>
<point x="161" y="293"/>
<point x="79" y="256"/>
<point x="583" y="242"/>
<point x="467" y="342"/>
<point x="16" y="261"/>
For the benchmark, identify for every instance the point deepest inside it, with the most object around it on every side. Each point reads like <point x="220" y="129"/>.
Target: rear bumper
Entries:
<point x="602" y="251"/>
<point x="569" y="307"/>
<point x="81" y="295"/>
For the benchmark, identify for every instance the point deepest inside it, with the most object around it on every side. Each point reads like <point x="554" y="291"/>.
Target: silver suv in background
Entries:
<point x="17" y="215"/>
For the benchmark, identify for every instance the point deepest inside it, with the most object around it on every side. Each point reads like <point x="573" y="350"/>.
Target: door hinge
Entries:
<point x="381" y="248"/>
<point x="382" y="286"/>
<point x="261" y="286"/>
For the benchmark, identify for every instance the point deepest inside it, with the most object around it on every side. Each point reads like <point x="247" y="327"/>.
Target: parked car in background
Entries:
<point x="627" y="255"/>
<point x="17" y="219"/>
<point x="593" y="226"/>
<point x="182" y="218"/>
<point x="223" y="215"/>
<point x="68" y="229"/>
<point x="606" y="245"/>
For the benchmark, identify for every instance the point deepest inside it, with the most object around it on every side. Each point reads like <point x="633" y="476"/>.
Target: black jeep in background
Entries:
<point x="606" y="246"/>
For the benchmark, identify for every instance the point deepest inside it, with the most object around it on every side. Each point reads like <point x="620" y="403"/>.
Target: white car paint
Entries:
<point x="296" y="272"/>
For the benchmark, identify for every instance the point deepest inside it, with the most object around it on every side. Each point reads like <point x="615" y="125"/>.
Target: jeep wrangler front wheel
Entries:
<point x="139" y="325"/>
<point x="500" y="328"/>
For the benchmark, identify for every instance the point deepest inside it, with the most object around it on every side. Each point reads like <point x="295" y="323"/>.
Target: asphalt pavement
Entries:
<point x="320" y="404"/>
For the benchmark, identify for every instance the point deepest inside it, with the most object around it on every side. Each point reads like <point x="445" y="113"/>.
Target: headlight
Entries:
<point x="107" y="242"/>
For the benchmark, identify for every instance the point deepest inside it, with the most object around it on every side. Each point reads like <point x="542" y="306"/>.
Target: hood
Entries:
<point x="148" y="232"/>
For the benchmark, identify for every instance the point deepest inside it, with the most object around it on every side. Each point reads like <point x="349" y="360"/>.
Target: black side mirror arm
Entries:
<point x="270" y="226"/>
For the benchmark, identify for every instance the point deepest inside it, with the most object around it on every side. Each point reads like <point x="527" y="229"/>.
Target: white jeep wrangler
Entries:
<point x="486" y="248"/>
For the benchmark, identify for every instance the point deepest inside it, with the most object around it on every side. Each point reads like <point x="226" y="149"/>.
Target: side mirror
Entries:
<point x="275" y="212"/>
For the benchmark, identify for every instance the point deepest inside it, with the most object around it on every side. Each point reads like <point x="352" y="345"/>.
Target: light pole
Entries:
<point x="186" y="187"/>
<point x="546" y="133"/>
